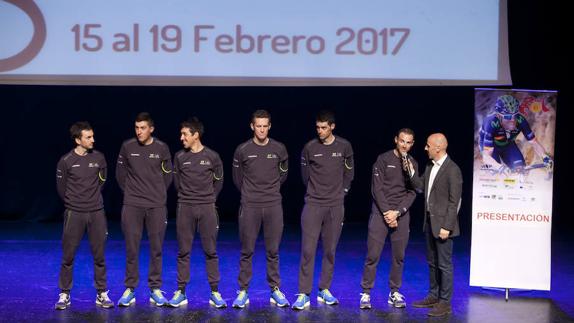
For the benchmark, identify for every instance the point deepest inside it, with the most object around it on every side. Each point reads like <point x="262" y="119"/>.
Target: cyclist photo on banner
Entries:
<point x="514" y="132"/>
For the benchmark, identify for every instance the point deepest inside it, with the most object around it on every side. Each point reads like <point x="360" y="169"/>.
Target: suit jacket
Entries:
<point x="443" y="202"/>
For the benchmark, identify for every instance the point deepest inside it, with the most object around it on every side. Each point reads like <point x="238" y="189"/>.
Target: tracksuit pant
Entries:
<point x="75" y="224"/>
<point x="133" y="219"/>
<point x="326" y="221"/>
<point x="250" y="221"/>
<point x="190" y="219"/>
<point x="378" y="231"/>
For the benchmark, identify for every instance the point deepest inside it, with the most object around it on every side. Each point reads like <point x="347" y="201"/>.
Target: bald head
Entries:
<point x="436" y="146"/>
<point x="439" y="139"/>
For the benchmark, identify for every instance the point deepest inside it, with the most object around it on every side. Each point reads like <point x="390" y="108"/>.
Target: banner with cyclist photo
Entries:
<point x="512" y="188"/>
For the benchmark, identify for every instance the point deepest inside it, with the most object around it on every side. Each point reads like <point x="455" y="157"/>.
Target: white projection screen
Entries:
<point x="254" y="42"/>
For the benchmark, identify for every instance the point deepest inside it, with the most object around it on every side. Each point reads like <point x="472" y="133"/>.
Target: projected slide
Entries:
<point x="254" y="42"/>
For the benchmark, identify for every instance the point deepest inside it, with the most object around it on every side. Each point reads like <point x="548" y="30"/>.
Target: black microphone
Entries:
<point x="405" y="160"/>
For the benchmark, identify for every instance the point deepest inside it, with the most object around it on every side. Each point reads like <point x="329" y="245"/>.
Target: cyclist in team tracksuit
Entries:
<point x="198" y="177"/>
<point x="144" y="173"/>
<point x="393" y="196"/>
<point x="80" y="177"/>
<point x="260" y="166"/>
<point x="327" y="170"/>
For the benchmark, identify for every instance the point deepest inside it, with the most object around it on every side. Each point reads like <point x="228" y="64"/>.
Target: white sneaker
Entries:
<point x="365" y="301"/>
<point x="63" y="301"/>
<point x="397" y="299"/>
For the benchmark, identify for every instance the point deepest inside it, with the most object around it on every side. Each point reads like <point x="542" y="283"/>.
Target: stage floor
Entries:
<point x="30" y="260"/>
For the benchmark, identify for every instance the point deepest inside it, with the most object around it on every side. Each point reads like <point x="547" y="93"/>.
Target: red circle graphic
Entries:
<point x="38" y="39"/>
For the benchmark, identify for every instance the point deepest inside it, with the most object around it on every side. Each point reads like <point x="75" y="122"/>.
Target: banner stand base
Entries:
<point x="507" y="291"/>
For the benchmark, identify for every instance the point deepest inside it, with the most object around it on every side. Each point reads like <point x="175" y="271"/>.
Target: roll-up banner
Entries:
<point x="512" y="188"/>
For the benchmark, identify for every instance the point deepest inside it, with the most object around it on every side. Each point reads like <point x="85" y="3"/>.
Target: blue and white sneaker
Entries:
<point x="278" y="298"/>
<point x="303" y="301"/>
<point x="156" y="297"/>
<point x="178" y="299"/>
<point x="217" y="301"/>
<point x="241" y="300"/>
<point x="365" y="301"/>
<point x="326" y="297"/>
<point x="128" y="298"/>
<point x="63" y="301"/>
<point x="103" y="300"/>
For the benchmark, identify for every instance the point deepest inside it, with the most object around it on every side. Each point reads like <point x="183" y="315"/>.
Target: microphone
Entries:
<point x="405" y="160"/>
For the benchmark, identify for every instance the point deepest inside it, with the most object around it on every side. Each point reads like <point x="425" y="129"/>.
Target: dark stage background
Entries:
<point x="35" y="122"/>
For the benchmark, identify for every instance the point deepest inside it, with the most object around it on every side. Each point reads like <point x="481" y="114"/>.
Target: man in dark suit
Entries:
<point x="442" y="184"/>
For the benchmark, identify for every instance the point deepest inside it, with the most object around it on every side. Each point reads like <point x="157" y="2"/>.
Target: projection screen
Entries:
<point x="254" y="43"/>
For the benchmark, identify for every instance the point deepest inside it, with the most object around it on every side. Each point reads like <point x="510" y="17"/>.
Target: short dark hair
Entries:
<point x="194" y="126"/>
<point x="407" y="131"/>
<point x="326" y="116"/>
<point x="261" y="113"/>
<point x="145" y="116"/>
<point x="77" y="128"/>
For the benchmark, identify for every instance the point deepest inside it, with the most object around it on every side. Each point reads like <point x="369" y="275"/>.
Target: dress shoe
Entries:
<point x="440" y="309"/>
<point x="428" y="301"/>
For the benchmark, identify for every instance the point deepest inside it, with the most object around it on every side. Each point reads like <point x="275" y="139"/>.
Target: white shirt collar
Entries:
<point x="439" y="162"/>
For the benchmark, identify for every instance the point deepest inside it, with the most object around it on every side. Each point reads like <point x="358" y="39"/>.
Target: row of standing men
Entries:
<point x="144" y="171"/>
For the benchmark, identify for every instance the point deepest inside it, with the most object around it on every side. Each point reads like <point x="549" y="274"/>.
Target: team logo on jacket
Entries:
<point x="91" y="165"/>
<point x="155" y="156"/>
<point x="205" y="162"/>
<point x="271" y="156"/>
<point x="337" y="155"/>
